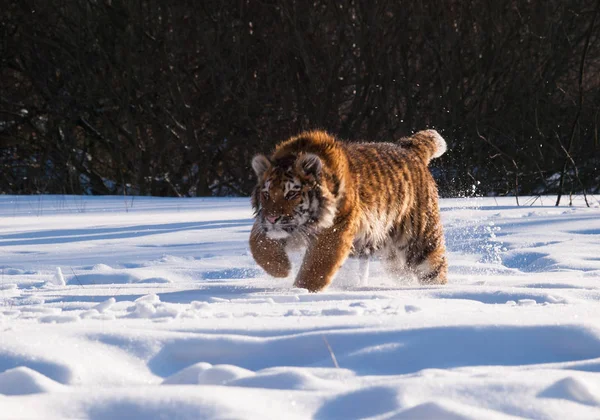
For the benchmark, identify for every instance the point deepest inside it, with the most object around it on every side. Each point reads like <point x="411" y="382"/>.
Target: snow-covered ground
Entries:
<point x="153" y="308"/>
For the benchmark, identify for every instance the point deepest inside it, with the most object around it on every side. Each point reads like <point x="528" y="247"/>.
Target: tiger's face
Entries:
<point x="288" y="198"/>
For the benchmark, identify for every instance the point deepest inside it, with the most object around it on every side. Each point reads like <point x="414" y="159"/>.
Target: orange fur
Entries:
<point x="349" y="198"/>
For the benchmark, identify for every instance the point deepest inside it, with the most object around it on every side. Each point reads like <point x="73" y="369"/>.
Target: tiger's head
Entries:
<point x="291" y="196"/>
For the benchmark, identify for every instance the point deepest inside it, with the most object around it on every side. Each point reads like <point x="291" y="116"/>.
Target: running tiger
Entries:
<point x="340" y="199"/>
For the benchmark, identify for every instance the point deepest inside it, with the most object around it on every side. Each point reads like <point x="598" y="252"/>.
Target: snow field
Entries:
<point x="153" y="308"/>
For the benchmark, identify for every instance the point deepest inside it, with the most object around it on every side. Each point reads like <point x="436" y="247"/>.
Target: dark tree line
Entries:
<point x="174" y="98"/>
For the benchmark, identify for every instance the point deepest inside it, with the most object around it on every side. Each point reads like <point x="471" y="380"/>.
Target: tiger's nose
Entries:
<point x="272" y="219"/>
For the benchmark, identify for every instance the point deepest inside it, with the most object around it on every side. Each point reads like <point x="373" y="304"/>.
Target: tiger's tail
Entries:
<point x="427" y="143"/>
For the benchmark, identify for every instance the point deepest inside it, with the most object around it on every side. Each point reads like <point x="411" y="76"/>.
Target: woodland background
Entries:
<point x="174" y="98"/>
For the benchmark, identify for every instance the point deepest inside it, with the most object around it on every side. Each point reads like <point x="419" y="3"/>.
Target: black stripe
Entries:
<point x="432" y="274"/>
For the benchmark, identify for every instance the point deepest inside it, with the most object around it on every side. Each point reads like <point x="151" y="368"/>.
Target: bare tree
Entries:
<point x="155" y="98"/>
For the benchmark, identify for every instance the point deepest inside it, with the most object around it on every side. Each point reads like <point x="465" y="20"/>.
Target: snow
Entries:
<point x="154" y="308"/>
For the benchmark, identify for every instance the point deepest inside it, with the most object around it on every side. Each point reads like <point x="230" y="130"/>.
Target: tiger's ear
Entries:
<point x="260" y="164"/>
<point x="309" y="164"/>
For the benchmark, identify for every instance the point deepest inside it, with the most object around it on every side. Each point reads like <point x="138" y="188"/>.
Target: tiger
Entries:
<point x="339" y="199"/>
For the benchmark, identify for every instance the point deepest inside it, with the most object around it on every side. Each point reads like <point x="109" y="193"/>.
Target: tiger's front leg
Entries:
<point x="325" y="256"/>
<point x="269" y="253"/>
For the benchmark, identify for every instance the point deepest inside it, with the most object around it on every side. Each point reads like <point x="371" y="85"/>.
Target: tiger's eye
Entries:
<point x="292" y="195"/>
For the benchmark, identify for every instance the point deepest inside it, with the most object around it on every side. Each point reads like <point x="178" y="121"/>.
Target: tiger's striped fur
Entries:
<point x="340" y="199"/>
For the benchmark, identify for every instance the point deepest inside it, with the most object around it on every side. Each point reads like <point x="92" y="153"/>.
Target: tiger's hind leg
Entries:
<point x="423" y="258"/>
<point x="427" y="256"/>
<point x="433" y="269"/>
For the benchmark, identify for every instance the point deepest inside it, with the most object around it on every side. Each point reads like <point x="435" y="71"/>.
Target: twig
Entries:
<point x="506" y="156"/>
<point x="335" y="363"/>
<point x="580" y="107"/>
<point x="570" y="158"/>
<point x="532" y="200"/>
<point x="76" y="278"/>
